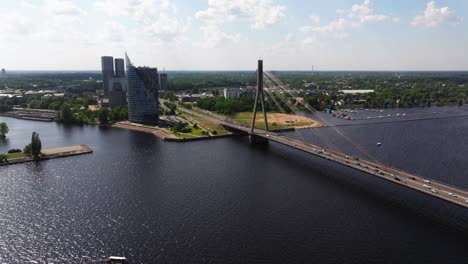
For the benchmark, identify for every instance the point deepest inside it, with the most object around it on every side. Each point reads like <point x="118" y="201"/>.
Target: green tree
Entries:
<point x="36" y="145"/>
<point x="27" y="149"/>
<point x="103" y="115"/>
<point x="66" y="114"/>
<point x="3" y="158"/>
<point x="3" y="129"/>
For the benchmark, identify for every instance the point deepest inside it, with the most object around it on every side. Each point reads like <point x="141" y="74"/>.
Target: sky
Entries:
<point x="233" y="34"/>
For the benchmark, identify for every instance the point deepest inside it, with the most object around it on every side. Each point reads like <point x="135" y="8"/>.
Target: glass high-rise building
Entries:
<point x="107" y="64"/>
<point x="119" y="68"/>
<point x="142" y="93"/>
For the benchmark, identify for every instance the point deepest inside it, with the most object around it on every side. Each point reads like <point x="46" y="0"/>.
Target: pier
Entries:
<point x="52" y="153"/>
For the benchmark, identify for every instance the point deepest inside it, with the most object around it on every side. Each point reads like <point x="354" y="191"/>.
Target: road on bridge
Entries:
<point x="437" y="189"/>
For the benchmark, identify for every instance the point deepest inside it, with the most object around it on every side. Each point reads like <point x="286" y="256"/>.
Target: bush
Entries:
<point x="214" y="132"/>
<point x="3" y="157"/>
<point x="27" y="150"/>
<point x="186" y="130"/>
<point x="14" y="151"/>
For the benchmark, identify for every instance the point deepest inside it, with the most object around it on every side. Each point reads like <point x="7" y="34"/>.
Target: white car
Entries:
<point x="434" y="191"/>
<point x="427" y="181"/>
<point x="426" y="186"/>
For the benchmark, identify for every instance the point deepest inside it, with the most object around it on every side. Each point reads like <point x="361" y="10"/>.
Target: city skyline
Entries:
<point x="228" y="35"/>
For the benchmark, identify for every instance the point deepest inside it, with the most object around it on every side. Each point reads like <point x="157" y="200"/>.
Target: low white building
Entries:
<point x="356" y="91"/>
<point x="231" y="93"/>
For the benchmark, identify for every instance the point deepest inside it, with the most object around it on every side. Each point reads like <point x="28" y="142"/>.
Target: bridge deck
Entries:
<point x="437" y="189"/>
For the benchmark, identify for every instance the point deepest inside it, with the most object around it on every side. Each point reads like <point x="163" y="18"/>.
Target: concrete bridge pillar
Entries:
<point x="256" y="140"/>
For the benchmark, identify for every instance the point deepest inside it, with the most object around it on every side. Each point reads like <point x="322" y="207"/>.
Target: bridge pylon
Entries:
<point x="258" y="95"/>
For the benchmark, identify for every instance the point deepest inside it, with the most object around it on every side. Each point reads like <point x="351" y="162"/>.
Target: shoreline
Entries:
<point x="160" y="133"/>
<point x="52" y="153"/>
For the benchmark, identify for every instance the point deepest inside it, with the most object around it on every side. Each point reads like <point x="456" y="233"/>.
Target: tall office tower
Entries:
<point x="142" y="93"/>
<point x="3" y="73"/>
<point x="117" y="94"/>
<point x="119" y="68"/>
<point x="163" y="78"/>
<point x="107" y="64"/>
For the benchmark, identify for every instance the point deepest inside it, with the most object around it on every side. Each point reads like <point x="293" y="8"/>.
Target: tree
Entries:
<point x="66" y="114"/>
<point x="103" y="115"/>
<point x="36" y="145"/>
<point x="3" y="129"/>
<point x="27" y="149"/>
<point x="3" y="158"/>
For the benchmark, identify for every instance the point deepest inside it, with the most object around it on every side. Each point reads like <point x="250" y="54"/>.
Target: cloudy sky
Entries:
<point x="233" y="34"/>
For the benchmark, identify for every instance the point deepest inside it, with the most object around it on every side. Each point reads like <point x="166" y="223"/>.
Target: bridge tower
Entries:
<point x="254" y="139"/>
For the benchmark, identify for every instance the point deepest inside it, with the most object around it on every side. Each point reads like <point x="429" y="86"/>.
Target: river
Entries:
<point x="223" y="201"/>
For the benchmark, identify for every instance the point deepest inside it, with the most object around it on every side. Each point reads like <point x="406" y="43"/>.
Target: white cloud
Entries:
<point x="14" y="25"/>
<point x="27" y="4"/>
<point x="259" y="13"/>
<point x="433" y="16"/>
<point x="363" y="13"/>
<point x="314" y="18"/>
<point x="309" y="41"/>
<point x="62" y="21"/>
<point x="112" y="32"/>
<point x="358" y="15"/>
<point x="214" y="37"/>
<point x="63" y="8"/>
<point x="155" y="18"/>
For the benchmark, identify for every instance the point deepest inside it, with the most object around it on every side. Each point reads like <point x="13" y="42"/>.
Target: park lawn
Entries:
<point x="15" y="155"/>
<point x="209" y="125"/>
<point x="196" y="132"/>
<point x="275" y="120"/>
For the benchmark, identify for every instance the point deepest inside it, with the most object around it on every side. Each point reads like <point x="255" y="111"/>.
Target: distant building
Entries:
<point x="107" y="65"/>
<point x="231" y="93"/>
<point x="119" y="68"/>
<point x="3" y="73"/>
<point x="113" y="82"/>
<point x="142" y="93"/>
<point x="117" y="93"/>
<point x="103" y="103"/>
<point x="356" y="92"/>
<point x="247" y="92"/>
<point x="191" y="98"/>
<point x="163" y="78"/>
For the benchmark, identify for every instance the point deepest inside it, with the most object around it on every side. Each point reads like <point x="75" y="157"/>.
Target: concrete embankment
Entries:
<point x="160" y="133"/>
<point x="52" y="153"/>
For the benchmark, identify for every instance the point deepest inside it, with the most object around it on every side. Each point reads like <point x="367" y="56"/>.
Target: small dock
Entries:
<point x="52" y="153"/>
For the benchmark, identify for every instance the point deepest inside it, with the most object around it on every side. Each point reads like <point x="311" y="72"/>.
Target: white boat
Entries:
<point x="379" y="144"/>
<point x="116" y="260"/>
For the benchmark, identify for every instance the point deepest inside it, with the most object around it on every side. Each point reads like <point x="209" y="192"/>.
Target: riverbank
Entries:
<point x="52" y="153"/>
<point x="162" y="133"/>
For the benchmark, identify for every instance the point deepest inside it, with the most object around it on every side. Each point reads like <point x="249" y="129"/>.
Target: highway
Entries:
<point x="433" y="188"/>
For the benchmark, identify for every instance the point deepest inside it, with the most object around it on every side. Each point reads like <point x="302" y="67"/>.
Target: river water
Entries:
<point x="223" y="201"/>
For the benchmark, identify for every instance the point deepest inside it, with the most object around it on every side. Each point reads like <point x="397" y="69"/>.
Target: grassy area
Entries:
<point x="275" y="120"/>
<point x="196" y="132"/>
<point x="208" y="125"/>
<point x="15" y="155"/>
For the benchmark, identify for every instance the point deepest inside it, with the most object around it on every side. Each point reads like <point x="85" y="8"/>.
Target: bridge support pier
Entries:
<point x="256" y="140"/>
